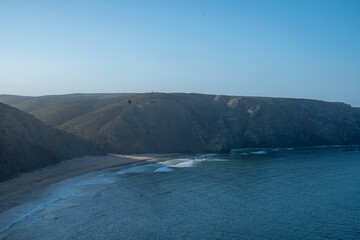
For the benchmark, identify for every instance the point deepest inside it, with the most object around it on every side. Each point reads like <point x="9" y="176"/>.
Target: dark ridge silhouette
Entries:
<point x="27" y="144"/>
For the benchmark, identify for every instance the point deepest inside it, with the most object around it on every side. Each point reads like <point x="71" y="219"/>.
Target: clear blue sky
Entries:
<point x="306" y="49"/>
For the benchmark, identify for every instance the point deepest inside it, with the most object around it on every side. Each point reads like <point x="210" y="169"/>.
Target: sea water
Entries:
<point x="248" y="194"/>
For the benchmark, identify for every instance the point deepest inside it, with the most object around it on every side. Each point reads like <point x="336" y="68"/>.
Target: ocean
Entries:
<point x="303" y="193"/>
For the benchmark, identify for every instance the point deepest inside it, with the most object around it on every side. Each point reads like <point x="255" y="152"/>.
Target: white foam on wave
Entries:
<point x="164" y="169"/>
<point x="182" y="162"/>
<point x="185" y="164"/>
<point x="259" y="152"/>
<point x="210" y="157"/>
<point x="166" y="166"/>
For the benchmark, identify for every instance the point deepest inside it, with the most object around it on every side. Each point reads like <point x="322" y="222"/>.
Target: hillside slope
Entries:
<point x="158" y="122"/>
<point x="31" y="104"/>
<point x="207" y="123"/>
<point x="26" y="143"/>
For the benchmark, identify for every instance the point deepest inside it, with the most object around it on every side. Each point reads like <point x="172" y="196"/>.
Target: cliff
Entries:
<point x="188" y="123"/>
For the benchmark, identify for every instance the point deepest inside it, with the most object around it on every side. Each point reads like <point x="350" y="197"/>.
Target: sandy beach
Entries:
<point x="68" y="169"/>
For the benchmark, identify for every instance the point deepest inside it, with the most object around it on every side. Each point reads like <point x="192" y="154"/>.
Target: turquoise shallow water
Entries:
<point x="249" y="194"/>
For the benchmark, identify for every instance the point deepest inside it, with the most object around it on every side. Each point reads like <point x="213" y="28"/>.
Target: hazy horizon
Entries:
<point x="307" y="49"/>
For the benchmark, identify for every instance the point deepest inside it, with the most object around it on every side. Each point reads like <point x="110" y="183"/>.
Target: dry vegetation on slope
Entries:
<point x="157" y="122"/>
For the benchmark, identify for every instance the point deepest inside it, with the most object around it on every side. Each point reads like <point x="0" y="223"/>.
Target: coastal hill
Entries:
<point x="26" y="143"/>
<point x="31" y="104"/>
<point x="191" y="123"/>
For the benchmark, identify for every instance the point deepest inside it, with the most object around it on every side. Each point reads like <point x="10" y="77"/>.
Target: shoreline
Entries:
<point x="67" y="169"/>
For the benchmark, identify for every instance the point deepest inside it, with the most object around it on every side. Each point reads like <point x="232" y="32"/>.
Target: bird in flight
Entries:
<point x="129" y="101"/>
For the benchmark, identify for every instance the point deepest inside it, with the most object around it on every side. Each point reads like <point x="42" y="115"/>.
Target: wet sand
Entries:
<point x="68" y="169"/>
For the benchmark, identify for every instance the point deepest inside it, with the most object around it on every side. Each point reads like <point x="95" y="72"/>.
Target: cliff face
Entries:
<point x="208" y="123"/>
<point x="202" y="123"/>
<point x="275" y="122"/>
<point x="26" y="143"/>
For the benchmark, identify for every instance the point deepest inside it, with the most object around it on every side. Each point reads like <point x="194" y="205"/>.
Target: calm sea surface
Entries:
<point x="249" y="194"/>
